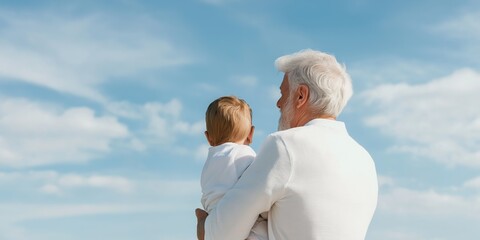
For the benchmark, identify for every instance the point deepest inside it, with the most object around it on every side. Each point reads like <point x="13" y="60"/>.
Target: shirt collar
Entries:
<point x="326" y="123"/>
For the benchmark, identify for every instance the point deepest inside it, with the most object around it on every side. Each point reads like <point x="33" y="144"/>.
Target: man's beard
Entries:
<point x="286" y="115"/>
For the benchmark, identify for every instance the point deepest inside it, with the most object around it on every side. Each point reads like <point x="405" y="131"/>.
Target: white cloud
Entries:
<point x="135" y="189"/>
<point x="138" y="145"/>
<point x="161" y="126"/>
<point x="438" y="119"/>
<point x="473" y="183"/>
<point x="74" y="54"/>
<point x="407" y="202"/>
<point x="385" y="181"/>
<point x="190" y="128"/>
<point x="34" y="134"/>
<point x="246" y="81"/>
<point x="171" y="188"/>
<point x="393" y="70"/>
<point x="52" y="182"/>
<point x="463" y="29"/>
<point x="207" y="87"/>
<point x="34" y="176"/>
<point x="87" y="187"/>
<point x="13" y="213"/>
<point x="276" y="34"/>
<point x="463" y="26"/>
<point x="274" y="93"/>
<point x="163" y="121"/>
<point x="150" y="192"/>
<point x="431" y="204"/>
<point x="118" y="184"/>
<point x="201" y="152"/>
<point x="51" y="189"/>
<point x="398" y="235"/>
<point x="151" y="196"/>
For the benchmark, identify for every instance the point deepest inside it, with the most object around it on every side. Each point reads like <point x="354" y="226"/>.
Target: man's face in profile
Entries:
<point x="285" y="105"/>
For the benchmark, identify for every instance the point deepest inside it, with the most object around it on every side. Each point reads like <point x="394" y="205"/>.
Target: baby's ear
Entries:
<point x="250" y="135"/>
<point x="208" y="138"/>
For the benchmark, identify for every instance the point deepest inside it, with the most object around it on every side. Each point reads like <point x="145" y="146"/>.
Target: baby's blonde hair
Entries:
<point x="228" y="119"/>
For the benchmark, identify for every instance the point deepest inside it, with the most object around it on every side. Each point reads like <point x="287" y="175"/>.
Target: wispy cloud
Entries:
<point x="274" y="93"/>
<point x="201" y="152"/>
<point x="74" y="53"/>
<point x="385" y="181"/>
<point x="115" y="183"/>
<point x="52" y="182"/>
<point x="406" y="213"/>
<point x="78" y="134"/>
<point x="246" y="81"/>
<point x="273" y="33"/>
<point x="14" y="214"/>
<point x="132" y="188"/>
<point x="473" y="183"/>
<point x="463" y="29"/>
<point x="437" y="119"/>
<point x="372" y="72"/>
<point x="396" y="235"/>
<point x="34" y="134"/>
<point x="163" y="122"/>
<point x="462" y="26"/>
<point x="403" y="201"/>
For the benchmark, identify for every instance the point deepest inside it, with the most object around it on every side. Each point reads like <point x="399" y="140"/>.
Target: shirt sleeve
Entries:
<point x="261" y="185"/>
<point x="244" y="158"/>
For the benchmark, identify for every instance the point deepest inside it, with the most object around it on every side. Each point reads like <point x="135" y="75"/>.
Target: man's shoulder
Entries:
<point x="288" y="133"/>
<point x="316" y="129"/>
<point x="297" y="136"/>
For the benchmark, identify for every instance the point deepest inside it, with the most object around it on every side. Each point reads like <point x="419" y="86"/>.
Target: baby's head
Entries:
<point x="229" y="119"/>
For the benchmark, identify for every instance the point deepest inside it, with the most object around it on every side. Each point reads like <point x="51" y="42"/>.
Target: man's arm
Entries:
<point x="261" y="185"/>
<point x="201" y="216"/>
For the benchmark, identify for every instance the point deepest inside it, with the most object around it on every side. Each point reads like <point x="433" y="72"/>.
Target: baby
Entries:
<point x="229" y="132"/>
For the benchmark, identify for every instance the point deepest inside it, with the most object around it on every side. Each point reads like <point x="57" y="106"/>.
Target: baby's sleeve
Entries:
<point x="244" y="157"/>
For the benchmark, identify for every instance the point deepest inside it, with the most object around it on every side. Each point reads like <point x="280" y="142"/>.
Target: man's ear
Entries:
<point x="302" y="95"/>
<point x="208" y="138"/>
<point x="250" y="136"/>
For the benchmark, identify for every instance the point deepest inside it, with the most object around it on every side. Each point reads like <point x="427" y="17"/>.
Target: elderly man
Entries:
<point x="315" y="181"/>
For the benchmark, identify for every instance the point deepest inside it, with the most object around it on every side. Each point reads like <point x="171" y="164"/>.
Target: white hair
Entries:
<point x="328" y="82"/>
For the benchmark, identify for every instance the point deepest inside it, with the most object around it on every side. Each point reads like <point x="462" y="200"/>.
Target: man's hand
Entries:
<point x="201" y="217"/>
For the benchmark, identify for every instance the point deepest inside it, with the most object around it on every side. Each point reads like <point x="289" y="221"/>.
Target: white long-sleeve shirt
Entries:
<point x="315" y="181"/>
<point x="224" y="166"/>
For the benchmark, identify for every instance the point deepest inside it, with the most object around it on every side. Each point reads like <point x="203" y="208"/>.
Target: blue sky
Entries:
<point x="102" y="106"/>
